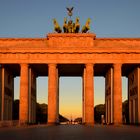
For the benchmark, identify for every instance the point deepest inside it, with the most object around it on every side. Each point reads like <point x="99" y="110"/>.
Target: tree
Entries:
<point x="125" y="110"/>
<point x="16" y="110"/>
<point x="41" y="113"/>
<point x="78" y="120"/>
<point x="98" y="111"/>
<point x="63" y="119"/>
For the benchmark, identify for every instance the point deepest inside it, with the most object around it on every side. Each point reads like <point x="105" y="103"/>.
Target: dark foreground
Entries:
<point x="71" y="132"/>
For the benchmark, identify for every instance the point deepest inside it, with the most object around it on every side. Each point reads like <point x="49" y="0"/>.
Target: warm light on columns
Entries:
<point x="89" y="95"/>
<point x="24" y="95"/>
<point x="117" y="93"/>
<point x="53" y="101"/>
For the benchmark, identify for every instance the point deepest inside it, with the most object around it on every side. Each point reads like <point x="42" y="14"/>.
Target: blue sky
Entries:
<point x="33" y="18"/>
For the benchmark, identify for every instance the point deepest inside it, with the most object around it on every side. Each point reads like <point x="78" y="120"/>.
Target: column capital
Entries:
<point x="24" y="64"/>
<point x="117" y="65"/>
<point x="89" y="64"/>
<point x="52" y="64"/>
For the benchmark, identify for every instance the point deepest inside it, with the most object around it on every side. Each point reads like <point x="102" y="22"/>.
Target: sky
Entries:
<point x="33" y="18"/>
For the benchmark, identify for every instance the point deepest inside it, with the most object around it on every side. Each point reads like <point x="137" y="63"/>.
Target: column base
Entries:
<point x="89" y="124"/>
<point x="53" y="123"/>
<point x="117" y="124"/>
<point x="8" y="123"/>
<point x="23" y="123"/>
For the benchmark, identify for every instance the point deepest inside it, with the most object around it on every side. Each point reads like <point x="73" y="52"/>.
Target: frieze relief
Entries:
<point x="78" y="57"/>
<point x="17" y="57"/>
<point x="117" y="42"/>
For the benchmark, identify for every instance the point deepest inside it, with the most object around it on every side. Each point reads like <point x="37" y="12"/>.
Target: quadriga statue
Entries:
<point x="65" y="26"/>
<point x="77" y="25"/>
<point x="57" y="28"/>
<point x="86" y="27"/>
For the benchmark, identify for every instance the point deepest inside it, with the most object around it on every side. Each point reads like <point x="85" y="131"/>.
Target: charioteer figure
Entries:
<point x="70" y="26"/>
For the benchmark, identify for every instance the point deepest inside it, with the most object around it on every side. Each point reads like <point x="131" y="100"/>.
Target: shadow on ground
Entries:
<point x="71" y="132"/>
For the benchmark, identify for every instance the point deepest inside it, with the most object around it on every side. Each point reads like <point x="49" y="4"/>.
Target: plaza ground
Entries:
<point x="71" y="132"/>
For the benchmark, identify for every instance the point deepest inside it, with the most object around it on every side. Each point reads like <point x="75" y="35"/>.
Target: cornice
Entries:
<point x="22" y="39"/>
<point x="71" y="35"/>
<point x="71" y="52"/>
<point x="117" y="39"/>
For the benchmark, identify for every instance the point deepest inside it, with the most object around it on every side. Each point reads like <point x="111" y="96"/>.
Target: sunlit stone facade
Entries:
<point x="62" y="54"/>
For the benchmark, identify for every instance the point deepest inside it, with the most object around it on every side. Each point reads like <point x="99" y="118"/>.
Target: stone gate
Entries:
<point x="70" y="54"/>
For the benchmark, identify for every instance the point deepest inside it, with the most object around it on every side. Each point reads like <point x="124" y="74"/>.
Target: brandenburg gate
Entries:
<point x="70" y="54"/>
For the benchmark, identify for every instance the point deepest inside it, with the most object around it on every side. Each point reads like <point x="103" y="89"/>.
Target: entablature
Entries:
<point x="70" y="43"/>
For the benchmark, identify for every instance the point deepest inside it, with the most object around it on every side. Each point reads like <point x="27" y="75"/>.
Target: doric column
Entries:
<point x="6" y="93"/>
<point x="57" y="92"/>
<point x="53" y="102"/>
<point x="32" y="96"/>
<point x="83" y="95"/>
<point x="24" y="95"/>
<point x="138" y="100"/>
<point x="2" y="92"/>
<point x="89" y="95"/>
<point x="109" y="96"/>
<point x="117" y="94"/>
<point x="134" y="96"/>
